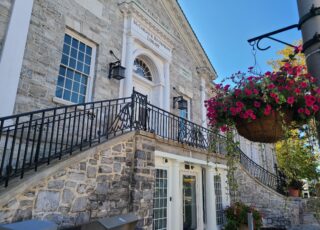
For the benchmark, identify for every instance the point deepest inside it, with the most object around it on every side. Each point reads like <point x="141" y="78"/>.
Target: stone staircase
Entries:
<point x="310" y="213"/>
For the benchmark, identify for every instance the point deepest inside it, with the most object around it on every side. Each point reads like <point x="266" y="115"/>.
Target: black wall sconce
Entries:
<point x="116" y="71"/>
<point x="182" y="103"/>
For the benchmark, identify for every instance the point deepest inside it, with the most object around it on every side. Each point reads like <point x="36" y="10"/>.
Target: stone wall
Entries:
<point x="277" y="210"/>
<point x="97" y="186"/>
<point x="5" y="12"/>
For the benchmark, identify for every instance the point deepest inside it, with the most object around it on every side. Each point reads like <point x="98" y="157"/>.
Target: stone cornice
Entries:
<point x="133" y="8"/>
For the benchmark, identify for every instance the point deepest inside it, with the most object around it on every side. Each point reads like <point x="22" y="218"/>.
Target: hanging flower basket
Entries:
<point x="266" y="129"/>
<point x="251" y="103"/>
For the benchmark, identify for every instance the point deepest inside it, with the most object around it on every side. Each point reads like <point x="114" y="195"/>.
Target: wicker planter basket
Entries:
<point x="267" y="129"/>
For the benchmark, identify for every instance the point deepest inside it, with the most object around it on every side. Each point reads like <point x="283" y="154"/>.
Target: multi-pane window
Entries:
<point x="141" y="69"/>
<point x="219" y="206"/>
<point x="160" y="200"/>
<point x="74" y="72"/>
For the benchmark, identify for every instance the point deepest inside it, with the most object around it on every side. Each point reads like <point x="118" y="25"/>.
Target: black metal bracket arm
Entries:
<point x="256" y="40"/>
<point x="314" y="11"/>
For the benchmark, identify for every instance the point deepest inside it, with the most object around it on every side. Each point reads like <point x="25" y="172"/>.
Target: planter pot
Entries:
<point x="294" y="192"/>
<point x="243" y="227"/>
<point x="266" y="129"/>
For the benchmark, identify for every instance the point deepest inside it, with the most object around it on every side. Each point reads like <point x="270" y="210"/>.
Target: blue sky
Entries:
<point x="224" y="26"/>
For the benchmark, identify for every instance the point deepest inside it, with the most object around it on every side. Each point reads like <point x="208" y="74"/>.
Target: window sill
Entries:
<point x="65" y="102"/>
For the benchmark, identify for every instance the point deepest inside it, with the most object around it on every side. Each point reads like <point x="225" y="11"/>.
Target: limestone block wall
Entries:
<point x="108" y="180"/>
<point x="5" y="12"/>
<point x="101" y="22"/>
<point x="277" y="210"/>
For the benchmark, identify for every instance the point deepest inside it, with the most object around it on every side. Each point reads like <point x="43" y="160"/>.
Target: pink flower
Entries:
<point x="226" y="87"/>
<point x="271" y="86"/>
<point x="237" y="92"/>
<point x="273" y="95"/>
<point x="239" y="104"/>
<point x="301" y="110"/>
<point x="224" y="128"/>
<point x="255" y="91"/>
<point x="307" y="112"/>
<point x="267" y="110"/>
<point x="290" y="100"/>
<point x="257" y="104"/>
<point x="315" y="108"/>
<point x="248" y="92"/>
<point x="297" y="90"/>
<point x="303" y="84"/>
<point x="310" y="100"/>
<point x="233" y="111"/>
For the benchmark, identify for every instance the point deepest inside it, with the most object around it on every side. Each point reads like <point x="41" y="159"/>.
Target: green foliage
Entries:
<point x="296" y="157"/>
<point x="237" y="214"/>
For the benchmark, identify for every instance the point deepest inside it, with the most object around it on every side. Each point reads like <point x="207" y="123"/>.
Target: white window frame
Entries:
<point x="89" y="89"/>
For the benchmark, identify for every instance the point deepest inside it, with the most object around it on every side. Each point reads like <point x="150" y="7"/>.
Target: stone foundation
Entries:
<point x="111" y="180"/>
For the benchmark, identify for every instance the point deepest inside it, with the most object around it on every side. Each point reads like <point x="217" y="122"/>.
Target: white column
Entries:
<point x="166" y="96"/>
<point x="225" y="188"/>
<point x="128" y="82"/>
<point x="203" y="98"/>
<point x="210" y="199"/>
<point x="12" y="54"/>
<point x="176" y="196"/>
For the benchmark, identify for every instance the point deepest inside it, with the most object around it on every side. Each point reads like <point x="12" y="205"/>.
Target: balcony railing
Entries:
<point x="29" y="140"/>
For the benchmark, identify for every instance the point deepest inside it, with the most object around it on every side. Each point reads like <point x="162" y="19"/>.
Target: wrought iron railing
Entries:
<point x="267" y="178"/>
<point x="32" y="139"/>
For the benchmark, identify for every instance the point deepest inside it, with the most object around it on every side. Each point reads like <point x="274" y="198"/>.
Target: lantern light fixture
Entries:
<point x="182" y="103"/>
<point x="116" y="71"/>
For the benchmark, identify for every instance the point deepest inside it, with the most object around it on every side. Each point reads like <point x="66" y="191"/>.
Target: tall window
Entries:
<point x="75" y="69"/>
<point x="218" y="192"/>
<point x="160" y="200"/>
<point x="141" y="69"/>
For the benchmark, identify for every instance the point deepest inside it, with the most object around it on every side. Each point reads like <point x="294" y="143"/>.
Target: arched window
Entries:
<point x="141" y="69"/>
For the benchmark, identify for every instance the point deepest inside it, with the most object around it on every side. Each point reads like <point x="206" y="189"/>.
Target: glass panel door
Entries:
<point x="160" y="200"/>
<point x="189" y="202"/>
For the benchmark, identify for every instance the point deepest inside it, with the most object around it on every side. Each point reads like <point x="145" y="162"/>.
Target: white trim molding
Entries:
<point x="13" y="53"/>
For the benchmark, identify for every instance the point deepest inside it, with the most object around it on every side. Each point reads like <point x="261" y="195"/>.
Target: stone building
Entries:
<point x="57" y="58"/>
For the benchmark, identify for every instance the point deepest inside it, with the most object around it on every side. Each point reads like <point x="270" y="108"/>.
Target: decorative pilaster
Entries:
<point x="211" y="199"/>
<point x="128" y="81"/>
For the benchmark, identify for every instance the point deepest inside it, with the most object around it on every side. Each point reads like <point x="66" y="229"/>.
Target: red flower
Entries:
<point x="301" y="110"/>
<point x="290" y="100"/>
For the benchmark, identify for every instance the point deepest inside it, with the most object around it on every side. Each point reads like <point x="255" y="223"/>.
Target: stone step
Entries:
<point x="306" y="227"/>
<point x="308" y="218"/>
